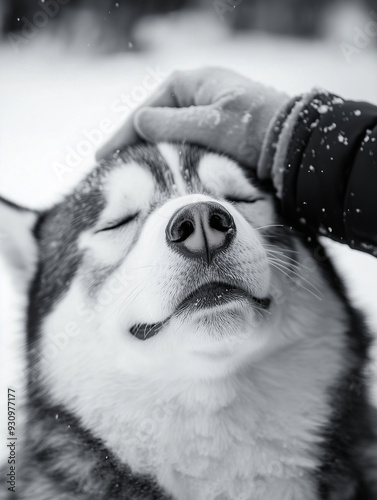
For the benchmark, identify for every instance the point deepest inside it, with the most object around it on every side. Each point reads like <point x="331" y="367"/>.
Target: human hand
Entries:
<point x="213" y="107"/>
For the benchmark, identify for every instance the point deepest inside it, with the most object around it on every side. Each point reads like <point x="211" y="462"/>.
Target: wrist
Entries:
<point x="272" y="161"/>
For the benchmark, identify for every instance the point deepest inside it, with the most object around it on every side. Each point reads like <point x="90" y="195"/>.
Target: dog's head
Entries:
<point x="166" y="260"/>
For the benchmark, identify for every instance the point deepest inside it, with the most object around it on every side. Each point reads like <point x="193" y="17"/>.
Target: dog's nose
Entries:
<point x="200" y="230"/>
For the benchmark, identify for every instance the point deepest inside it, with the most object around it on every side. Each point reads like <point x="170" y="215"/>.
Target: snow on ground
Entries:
<point x="54" y="105"/>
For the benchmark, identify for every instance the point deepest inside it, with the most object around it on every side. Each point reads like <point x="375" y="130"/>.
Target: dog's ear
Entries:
<point x="18" y="245"/>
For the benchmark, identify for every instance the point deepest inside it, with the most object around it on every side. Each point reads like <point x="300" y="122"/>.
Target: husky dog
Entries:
<point x="183" y="343"/>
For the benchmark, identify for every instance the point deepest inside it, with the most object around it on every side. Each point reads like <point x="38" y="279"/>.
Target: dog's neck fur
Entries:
<point x="233" y="437"/>
<point x="236" y="436"/>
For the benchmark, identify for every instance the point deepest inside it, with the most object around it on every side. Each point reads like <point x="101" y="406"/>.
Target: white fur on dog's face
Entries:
<point x="143" y="280"/>
<point x="207" y="402"/>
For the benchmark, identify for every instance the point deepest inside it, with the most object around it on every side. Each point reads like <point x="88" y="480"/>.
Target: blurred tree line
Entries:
<point x="115" y="20"/>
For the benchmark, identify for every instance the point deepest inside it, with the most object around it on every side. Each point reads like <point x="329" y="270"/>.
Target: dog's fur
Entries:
<point x="238" y="401"/>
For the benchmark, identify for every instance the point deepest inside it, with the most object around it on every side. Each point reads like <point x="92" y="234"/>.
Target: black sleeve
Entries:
<point x="329" y="165"/>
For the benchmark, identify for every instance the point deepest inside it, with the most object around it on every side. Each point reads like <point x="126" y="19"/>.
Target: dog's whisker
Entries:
<point x="268" y="226"/>
<point x="292" y="264"/>
<point x="286" y="272"/>
<point x="294" y="269"/>
<point x="281" y="253"/>
<point x="124" y="301"/>
<point x="142" y="267"/>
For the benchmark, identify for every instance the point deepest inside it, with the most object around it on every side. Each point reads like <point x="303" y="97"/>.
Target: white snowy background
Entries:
<point x="49" y="99"/>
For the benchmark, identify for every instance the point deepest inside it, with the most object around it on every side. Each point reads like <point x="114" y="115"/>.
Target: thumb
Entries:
<point x="190" y="124"/>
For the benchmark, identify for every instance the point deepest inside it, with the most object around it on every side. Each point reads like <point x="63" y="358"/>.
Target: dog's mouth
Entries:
<point x="205" y="297"/>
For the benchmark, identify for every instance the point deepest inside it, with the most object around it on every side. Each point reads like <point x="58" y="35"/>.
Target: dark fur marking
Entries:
<point x="151" y="158"/>
<point x="108" y="479"/>
<point x="190" y="157"/>
<point x="350" y="425"/>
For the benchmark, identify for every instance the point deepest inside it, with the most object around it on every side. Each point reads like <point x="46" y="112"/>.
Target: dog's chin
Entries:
<point x="215" y="344"/>
<point x="221" y="334"/>
<point x="224" y="321"/>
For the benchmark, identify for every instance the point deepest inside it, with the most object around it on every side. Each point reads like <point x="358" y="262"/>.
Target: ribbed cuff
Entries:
<point x="273" y="159"/>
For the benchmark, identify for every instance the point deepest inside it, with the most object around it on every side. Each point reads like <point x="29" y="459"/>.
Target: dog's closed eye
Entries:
<point x="119" y="223"/>
<point x="233" y="199"/>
